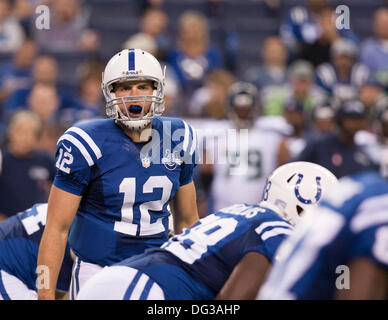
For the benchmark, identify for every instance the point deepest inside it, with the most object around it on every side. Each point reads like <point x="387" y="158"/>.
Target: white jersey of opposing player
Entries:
<point x="242" y="177"/>
<point x="376" y="151"/>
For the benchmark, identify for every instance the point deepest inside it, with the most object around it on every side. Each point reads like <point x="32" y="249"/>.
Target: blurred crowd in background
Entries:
<point x="303" y="67"/>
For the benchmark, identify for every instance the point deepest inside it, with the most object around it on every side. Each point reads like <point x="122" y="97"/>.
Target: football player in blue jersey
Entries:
<point x="116" y="177"/>
<point x="340" y="250"/>
<point x="226" y="254"/>
<point x="19" y="243"/>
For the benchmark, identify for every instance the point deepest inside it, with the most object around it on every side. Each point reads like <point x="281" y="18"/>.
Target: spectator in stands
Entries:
<point x="210" y="100"/>
<point x="89" y="101"/>
<point x="68" y="29"/>
<point x="374" y="51"/>
<point x="273" y="70"/>
<point x="292" y="145"/>
<point x="25" y="173"/>
<point x="11" y="32"/>
<point x="45" y="70"/>
<point x="44" y="101"/>
<point x="338" y="152"/>
<point x="154" y="23"/>
<point x="343" y="76"/>
<point x="300" y="87"/>
<point x="194" y="57"/>
<point x="308" y="32"/>
<point x="16" y="74"/>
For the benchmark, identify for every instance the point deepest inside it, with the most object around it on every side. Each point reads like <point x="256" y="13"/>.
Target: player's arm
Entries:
<point x="246" y="278"/>
<point x="62" y="207"/>
<point x="184" y="206"/>
<point x="368" y="281"/>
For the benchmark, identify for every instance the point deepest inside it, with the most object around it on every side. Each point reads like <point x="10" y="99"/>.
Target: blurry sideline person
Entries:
<point x="339" y="251"/>
<point x="322" y="121"/>
<point x="291" y="146"/>
<point x="26" y="174"/>
<point x="241" y="162"/>
<point x="338" y="151"/>
<point x="225" y="255"/>
<point x="116" y="178"/>
<point x="19" y="242"/>
<point x="376" y="145"/>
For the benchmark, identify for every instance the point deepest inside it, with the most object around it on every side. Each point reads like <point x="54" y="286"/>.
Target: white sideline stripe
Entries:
<point x="186" y="138"/>
<point x="264" y="225"/>
<point x="138" y="290"/>
<point x="88" y="140"/>
<point x="274" y="232"/>
<point x="80" y="147"/>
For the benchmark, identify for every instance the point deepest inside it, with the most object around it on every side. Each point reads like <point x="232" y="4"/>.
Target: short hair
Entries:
<point x="26" y="115"/>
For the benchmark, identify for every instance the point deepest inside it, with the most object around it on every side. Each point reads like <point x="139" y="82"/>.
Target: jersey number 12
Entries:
<point x="128" y="187"/>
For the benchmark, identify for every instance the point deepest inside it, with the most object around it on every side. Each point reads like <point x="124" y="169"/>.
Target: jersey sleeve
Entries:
<point x="272" y="235"/>
<point x="76" y="154"/>
<point x="191" y="155"/>
<point x="372" y="244"/>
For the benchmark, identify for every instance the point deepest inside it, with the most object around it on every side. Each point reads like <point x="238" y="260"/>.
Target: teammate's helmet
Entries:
<point x="294" y="186"/>
<point x="131" y="65"/>
<point x="243" y="99"/>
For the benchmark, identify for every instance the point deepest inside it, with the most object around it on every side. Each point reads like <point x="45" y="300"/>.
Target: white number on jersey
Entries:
<point x="64" y="158"/>
<point x="128" y="187"/>
<point x="31" y="223"/>
<point x="211" y="230"/>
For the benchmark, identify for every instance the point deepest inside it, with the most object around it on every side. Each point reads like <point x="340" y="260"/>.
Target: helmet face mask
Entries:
<point x="295" y="186"/>
<point x="133" y="65"/>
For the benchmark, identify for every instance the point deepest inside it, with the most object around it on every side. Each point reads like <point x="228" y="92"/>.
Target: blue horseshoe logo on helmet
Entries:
<point x="317" y="195"/>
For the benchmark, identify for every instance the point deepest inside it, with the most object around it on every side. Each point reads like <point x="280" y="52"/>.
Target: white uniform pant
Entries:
<point x="120" y="283"/>
<point x="12" y="288"/>
<point x="82" y="271"/>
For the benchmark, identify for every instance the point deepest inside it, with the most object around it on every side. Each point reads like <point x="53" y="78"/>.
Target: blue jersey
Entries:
<point x="351" y="222"/>
<point x="208" y="252"/>
<point x="125" y="186"/>
<point x="19" y="245"/>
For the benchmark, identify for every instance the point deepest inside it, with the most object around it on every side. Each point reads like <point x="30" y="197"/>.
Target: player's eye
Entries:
<point x="144" y="87"/>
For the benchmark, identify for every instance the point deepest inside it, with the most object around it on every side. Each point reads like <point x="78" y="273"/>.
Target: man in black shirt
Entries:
<point x="338" y="151"/>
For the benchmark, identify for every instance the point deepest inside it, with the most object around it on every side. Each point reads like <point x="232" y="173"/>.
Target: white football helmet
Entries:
<point x="132" y="65"/>
<point x="292" y="187"/>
